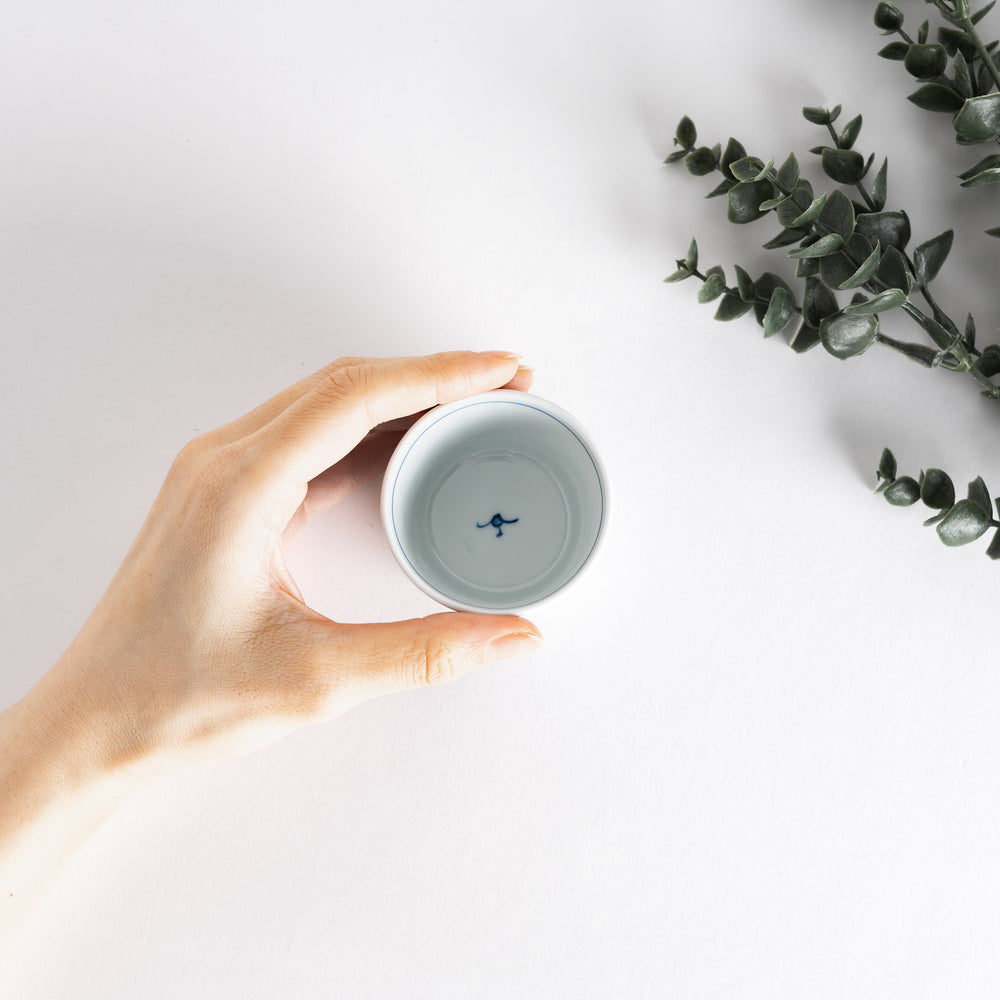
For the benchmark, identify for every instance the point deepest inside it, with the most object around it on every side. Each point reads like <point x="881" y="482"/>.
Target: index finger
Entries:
<point x="323" y="426"/>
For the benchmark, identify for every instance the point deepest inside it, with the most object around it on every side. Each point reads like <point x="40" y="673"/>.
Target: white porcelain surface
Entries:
<point x="495" y="503"/>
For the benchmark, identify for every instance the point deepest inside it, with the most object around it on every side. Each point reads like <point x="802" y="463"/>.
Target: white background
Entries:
<point x="757" y="757"/>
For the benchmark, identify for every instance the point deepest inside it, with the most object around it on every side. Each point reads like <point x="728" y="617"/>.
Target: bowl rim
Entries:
<point x="424" y="424"/>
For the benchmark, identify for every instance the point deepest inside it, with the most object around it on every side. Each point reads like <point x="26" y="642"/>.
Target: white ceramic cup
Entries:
<point x="495" y="503"/>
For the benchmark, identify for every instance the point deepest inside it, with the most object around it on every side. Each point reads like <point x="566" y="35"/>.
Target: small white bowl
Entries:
<point x="495" y="503"/>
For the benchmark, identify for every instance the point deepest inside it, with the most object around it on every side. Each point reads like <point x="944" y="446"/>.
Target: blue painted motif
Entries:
<point x="497" y="521"/>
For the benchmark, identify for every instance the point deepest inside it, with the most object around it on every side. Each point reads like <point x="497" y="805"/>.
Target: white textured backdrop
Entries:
<point x="757" y="757"/>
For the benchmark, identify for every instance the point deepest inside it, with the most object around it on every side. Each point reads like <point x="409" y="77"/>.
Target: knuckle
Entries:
<point x="434" y="663"/>
<point x="347" y="380"/>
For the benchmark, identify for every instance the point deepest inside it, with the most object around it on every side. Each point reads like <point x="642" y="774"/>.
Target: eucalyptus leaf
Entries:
<point x="811" y="214"/>
<point x="747" y="169"/>
<point x="744" y="284"/>
<point x="894" y="271"/>
<point x="701" y="161"/>
<point x="964" y="523"/>
<point x="936" y="489"/>
<point x="838" y="216"/>
<point x="745" y="200"/>
<point x="788" y="175"/>
<point x="849" y="134"/>
<point x="687" y="134"/>
<point x="804" y="339"/>
<point x="732" y="307"/>
<point x="895" y="51"/>
<point x="994" y="547"/>
<point x="880" y="185"/>
<point x="887" y="467"/>
<point x="991" y="176"/>
<point x="712" y="287"/>
<point x="920" y="353"/>
<point x="765" y="287"/>
<point x="979" y="494"/>
<point x="734" y="151"/>
<point x="779" y="311"/>
<point x="824" y="246"/>
<point x="891" y="229"/>
<point x="926" y="62"/>
<point x="846" y="336"/>
<point x="865" y="271"/>
<point x="889" y="299"/>
<point x="902" y="492"/>
<point x="818" y="303"/>
<point x="845" y="166"/>
<point x="937" y="97"/>
<point x="979" y="118"/>
<point x="929" y="256"/>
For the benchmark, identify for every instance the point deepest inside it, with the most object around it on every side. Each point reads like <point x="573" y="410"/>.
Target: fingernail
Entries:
<point x="507" y="356"/>
<point x="515" y="644"/>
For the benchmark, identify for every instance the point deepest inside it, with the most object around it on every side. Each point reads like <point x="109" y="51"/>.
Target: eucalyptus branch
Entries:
<point x="957" y="522"/>
<point x="852" y="243"/>
<point x="842" y="245"/>
<point x="958" y="75"/>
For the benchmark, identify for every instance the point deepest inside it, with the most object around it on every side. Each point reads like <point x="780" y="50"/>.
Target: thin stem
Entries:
<point x="970" y="29"/>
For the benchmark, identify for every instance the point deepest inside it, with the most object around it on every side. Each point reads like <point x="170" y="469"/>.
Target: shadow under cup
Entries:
<point x="494" y="503"/>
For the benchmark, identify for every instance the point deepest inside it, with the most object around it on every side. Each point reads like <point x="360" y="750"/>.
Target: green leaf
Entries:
<point x="786" y="238"/>
<point x="929" y="256"/>
<point x="864" y="272"/>
<point x="788" y="175"/>
<point x="744" y="284"/>
<point x="745" y="200"/>
<point x="887" y="466"/>
<point x="970" y="332"/>
<point x="978" y="493"/>
<point x="979" y="118"/>
<point x="732" y="307"/>
<point x="889" y="299"/>
<point x="818" y="302"/>
<point x="845" y="166"/>
<point x="779" y="311"/>
<point x="824" y="246"/>
<point x="964" y="523"/>
<point x="850" y="132"/>
<point x="747" y="169"/>
<point x="838" y="215"/>
<point x="894" y="271"/>
<point x="980" y="14"/>
<point x="818" y="116"/>
<point x="994" y="548"/>
<point x="988" y="363"/>
<point x="993" y="160"/>
<point x="686" y="135"/>
<point x="880" y="185"/>
<point x="891" y="229"/>
<point x="991" y="176"/>
<point x="691" y="260"/>
<point x="765" y="286"/>
<point x="845" y="336"/>
<point x="804" y="339"/>
<point x="895" y="51"/>
<point x="734" y="151"/>
<point x="937" y="97"/>
<point x="701" y="161"/>
<point x="902" y="492"/>
<point x="925" y="62"/>
<point x="713" y="286"/>
<point x="936" y="489"/>
<point x="962" y="78"/>
<point x="811" y="214"/>
<point x="888" y="16"/>
<point x="993" y="232"/>
<point x="680" y="274"/>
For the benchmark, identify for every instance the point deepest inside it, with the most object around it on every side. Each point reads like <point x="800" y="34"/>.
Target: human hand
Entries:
<point x="202" y="645"/>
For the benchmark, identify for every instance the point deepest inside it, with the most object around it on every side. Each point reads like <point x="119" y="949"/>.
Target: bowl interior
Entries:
<point x="495" y="504"/>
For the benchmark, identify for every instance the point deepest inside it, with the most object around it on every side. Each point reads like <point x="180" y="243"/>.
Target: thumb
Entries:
<point x="377" y="659"/>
